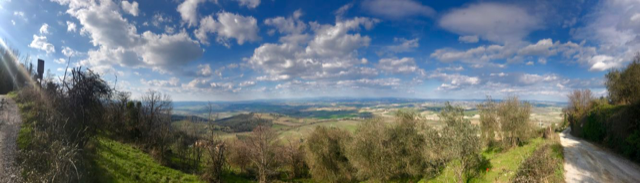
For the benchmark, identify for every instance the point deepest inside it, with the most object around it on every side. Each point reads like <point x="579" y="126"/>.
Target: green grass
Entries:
<point x="27" y="115"/>
<point x="503" y="165"/>
<point x="118" y="162"/>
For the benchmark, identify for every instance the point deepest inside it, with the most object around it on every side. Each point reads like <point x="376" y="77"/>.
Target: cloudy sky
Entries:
<point x="199" y="50"/>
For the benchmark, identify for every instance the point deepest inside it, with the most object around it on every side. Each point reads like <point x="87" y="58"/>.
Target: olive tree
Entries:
<point x="461" y="139"/>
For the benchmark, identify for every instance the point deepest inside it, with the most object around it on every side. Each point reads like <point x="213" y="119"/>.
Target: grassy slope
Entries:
<point x="114" y="161"/>
<point x="118" y="162"/>
<point x="503" y="165"/>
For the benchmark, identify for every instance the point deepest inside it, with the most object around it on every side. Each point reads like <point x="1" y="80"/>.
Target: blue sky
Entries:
<point x="200" y="50"/>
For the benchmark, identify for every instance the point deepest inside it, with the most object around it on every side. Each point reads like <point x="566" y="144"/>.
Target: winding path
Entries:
<point x="9" y="126"/>
<point x="585" y="162"/>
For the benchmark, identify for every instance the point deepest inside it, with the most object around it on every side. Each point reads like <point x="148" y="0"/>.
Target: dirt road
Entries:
<point x="9" y="127"/>
<point x="585" y="162"/>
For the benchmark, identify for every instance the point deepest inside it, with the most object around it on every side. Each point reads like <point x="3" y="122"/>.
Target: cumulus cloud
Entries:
<point x="40" y="42"/>
<point x="491" y="21"/>
<point x="454" y="81"/>
<point x="249" y="3"/>
<point x="171" y="82"/>
<point x="332" y="50"/>
<point x="71" y="27"/>
<point x="397" y="9"/>
<point x="604" y="62"/>
<point x="541" y="48"/>
<point x="204" y="70"/>
<point x="227" y="26"/>
<point x="44" y="29"/>
<point x="343" y="9"/>
<point x="131" y="8"/>
<point x="166" y="51"/>
<point x="613" y="26"/>
<point x="68" y="52"/>
<point x="517" y="52"/>
<point x="405" y="45"/>
<point x="380" y="82"/>
<point x="60" y="61"/>
<point x="469" y="39"/>
<point x="189" y="11"/>
<point x="247" y="83"/>
<point x="118" y="41"/>
<point x="289" y="25"/>
<point x="404" y="65"/>
<point x="506" y="84"/>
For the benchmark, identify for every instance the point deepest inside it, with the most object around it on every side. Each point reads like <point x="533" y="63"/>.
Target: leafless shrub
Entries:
<point x="61" y="118"/>
<point x="216" y="156"/>
<point x="261" y="149"/>
<point x="291" y="156"/>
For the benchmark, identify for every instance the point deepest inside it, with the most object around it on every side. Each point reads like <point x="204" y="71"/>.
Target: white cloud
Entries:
<point x="397" y="9"/>
<point x="491" y="21"/>
<point x="451" y="68"/>
<point x="290" y="25"/>
<point x="131" y="8"/>
<point x="71" y="27"/>
<point x="119" y="43"/>
<point x="198" y="83"/>
<point x="542" y="48"/>
<point x="406" y="45"/>
<point x="227" y="26"/>
<point x="604" y="62"/>
<point x="454" y="81"/>
<point x="331" y="52"/>
<point x="404" y="65"/>
<point x="160" y="18"/>
<point x="517" y="53"/>
<point x="13" y="22"/>
<point x="469" y="39"/>
<point x="614" y="27"/>
<point x="249" y="3"/>
<point x="60" y="61"/>
<point x="167" y="51"/>
<point x="542" y="61"/>
<point x="481" y="55"/>
<point x="18" y="13"/>
<point x="247" y="83"/>
<point x="44" y="29"/>
<point x="189" y="11"/>
<point x="68" y="52"/>
<point x="171" y="82"/>
<point x="205" y="70"/>
<point x="343" y="9"/>
<point x="169" y="29"/>
<point x="381" y="82"/>
<point x="40" y="42"/>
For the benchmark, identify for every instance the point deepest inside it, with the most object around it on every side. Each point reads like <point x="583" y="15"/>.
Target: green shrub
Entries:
<point x="382" y="151"/>
<point x="327" y="157"/>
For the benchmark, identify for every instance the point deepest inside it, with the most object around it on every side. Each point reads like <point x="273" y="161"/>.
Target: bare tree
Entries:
<point x="156" y="123"/>
<point x="261" y="151"/>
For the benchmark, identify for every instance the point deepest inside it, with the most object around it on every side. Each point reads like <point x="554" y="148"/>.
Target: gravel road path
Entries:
<point x="585" y="162"/>
<point x="9" y="127"/>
